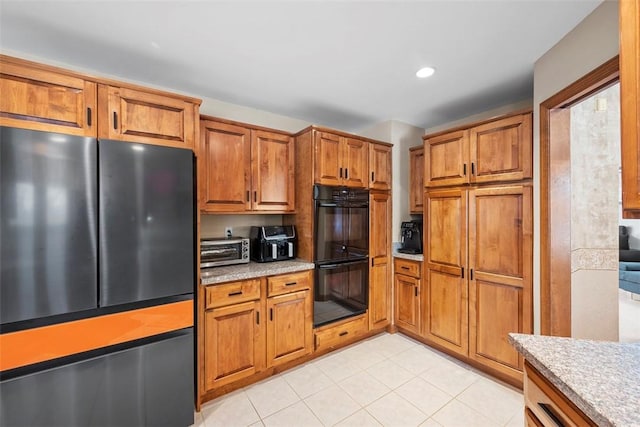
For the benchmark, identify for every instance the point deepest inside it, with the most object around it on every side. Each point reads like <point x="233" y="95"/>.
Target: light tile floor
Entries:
<point x="387" y="380"/>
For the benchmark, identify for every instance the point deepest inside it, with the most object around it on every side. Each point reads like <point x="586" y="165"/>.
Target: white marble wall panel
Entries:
<point x="595" y="160"/>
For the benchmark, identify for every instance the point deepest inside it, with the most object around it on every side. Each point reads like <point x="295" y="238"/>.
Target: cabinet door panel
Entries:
<point x="446" y="305"/>
<point x="446" y="228"/>
<point x="380" y="166"/>
<point x="630" y="106"/>
<point x="328" y="157"/>
<point x="380" y="253"/>
<point x="355" y="162"/>
<point x="136" y="116"/>
<point x="495" y="311"/>
<point x="47" y="101"/>
<point x="234" y="343"/>
<point x="446" y="159"/>
<point x="416" y="180"/>
<point x="225" y="164"/>
<point x="500" y="262"/>
<point x="446" y="320"/>
<point x="407" y="302"/>
<point x="501" y="150"/>
<point x="289" y="329"/>
<point x="273" y="171"/>
<point x="379" y="295"/>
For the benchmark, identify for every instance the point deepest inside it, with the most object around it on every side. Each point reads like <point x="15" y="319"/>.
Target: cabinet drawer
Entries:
<point x="548" y="405"/>
<point x="232" y="293"/>
<point x="407" y="267"/>
<point x="287" y="283"/>
<point x="335" y="335"/>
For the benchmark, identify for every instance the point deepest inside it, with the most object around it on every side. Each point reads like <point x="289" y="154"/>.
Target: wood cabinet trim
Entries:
<point x="317" y="129"/>
<point x="630" y="105"/>
<point x="87" y="76"/>
<point x="555" y="312"/>
<point x="477" y="123"/>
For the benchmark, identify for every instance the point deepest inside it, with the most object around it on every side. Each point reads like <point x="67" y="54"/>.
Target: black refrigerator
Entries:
<point x="91" y="229"/>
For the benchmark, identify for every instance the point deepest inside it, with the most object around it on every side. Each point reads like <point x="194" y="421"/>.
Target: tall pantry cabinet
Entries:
<point x="478" y="241"/>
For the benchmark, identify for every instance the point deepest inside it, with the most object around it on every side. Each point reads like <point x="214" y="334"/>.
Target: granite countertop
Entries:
<point x="412" y="257"/>
<point x="601" y="378"/>
<point x="230" y="273"/>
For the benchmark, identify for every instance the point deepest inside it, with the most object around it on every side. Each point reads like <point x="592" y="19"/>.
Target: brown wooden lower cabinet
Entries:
<point x="289" y="334"/>
<point x="546" y="406"/>
<point x="407" y="294"/>
<point x="251" y="325"/>
<point x="340" y="332"/>
<point x="234" y="341"/>
<point x="478" y="273"/>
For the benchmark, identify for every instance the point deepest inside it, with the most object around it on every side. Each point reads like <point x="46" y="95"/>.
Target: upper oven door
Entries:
<point x="342" y="231"/>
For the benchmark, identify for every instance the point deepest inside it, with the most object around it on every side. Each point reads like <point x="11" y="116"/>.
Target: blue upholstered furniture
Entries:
<point x="630" y="276"/>
<point x="629" y="273"/>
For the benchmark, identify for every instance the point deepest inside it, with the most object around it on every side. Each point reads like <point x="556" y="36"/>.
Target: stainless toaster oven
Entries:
<point x="215" y="252"/>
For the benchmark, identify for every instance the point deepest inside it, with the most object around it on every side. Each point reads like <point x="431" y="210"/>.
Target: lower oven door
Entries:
<point x="341" y="291"/>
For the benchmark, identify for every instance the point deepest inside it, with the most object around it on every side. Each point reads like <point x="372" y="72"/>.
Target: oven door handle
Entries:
<point x="327" y="205"/>
<point x="327" y="266"/>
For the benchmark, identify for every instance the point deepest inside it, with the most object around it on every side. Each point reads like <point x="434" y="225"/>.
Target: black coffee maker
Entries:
<point x="411" y="240"/>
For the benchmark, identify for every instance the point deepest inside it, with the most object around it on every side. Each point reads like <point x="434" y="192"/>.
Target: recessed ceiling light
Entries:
<point x="425" y="72"/>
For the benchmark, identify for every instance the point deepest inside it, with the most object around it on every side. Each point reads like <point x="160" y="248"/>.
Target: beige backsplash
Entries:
<point x="214" y="225"/>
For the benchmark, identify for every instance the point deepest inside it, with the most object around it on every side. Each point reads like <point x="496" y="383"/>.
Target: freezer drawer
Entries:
<point x="146" y="222"/>
<point x="149" y="385"/>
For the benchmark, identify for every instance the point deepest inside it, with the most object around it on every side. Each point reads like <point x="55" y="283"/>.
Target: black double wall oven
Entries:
<point x="341" y="253"/>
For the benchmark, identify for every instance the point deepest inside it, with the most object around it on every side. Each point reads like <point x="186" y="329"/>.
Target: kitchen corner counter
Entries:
<point x="231" y="273"/>
<point x="412" y="257"/>
<point x="601" y="378"/>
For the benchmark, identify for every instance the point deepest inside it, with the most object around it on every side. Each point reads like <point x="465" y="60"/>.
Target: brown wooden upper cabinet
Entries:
<point x="416" y="180"/>
<point x="243" y="169"/>
<point x="46" y="98"/>
<point x="630" y="105"/>
<point x="341" y="160"/>
<point x="380" y="166"/>
<point x="140" y="116"/>
<point x="41" y="97"/>
<point x="495" y="151"/>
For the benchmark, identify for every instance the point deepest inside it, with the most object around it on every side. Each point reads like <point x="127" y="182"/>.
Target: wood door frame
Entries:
<point x="555" y="296"/>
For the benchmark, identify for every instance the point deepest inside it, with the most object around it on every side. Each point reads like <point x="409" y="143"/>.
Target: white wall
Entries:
<point x="590" y="44"/>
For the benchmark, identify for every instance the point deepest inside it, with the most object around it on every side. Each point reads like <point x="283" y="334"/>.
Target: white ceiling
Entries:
<point x="344" y="64"/>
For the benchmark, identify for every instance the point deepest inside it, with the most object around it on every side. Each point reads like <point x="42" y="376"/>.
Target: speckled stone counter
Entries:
<point x="412" y="257"/>
<point x="212" y="276"/>
<point x="601" y="378"/>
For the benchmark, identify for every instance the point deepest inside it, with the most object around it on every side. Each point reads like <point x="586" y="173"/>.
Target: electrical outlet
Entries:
<point x="228" y="231"/>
